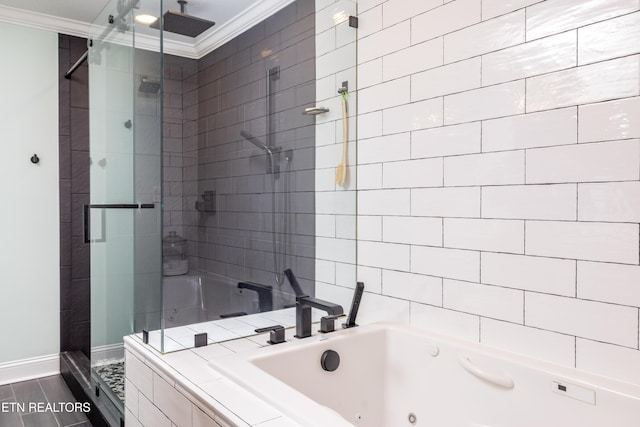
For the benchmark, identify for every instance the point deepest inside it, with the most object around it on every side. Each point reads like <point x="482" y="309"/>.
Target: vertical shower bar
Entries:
<point x="267" y="110"/>
<point x="272" y="74"/>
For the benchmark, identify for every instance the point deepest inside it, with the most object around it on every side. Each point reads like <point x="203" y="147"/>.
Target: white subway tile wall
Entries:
<point x="412" y="230"/>
<point x="500" y="182"/>
<point x="609" y="39"/>
<point x="419" y="115"/>
<point x="530" y="59"/>
<point x="487" y="301"/>
<point x="455" y="323"/>
<point x="489" y="102"/>
<point x="446" y="141"/>
<point x="547" y="128"/>
<point x="602" y="81"/>
<point x="604" y="121"/>
<point x="412" y="173"/>
<point x="487" y="36"/>
<point x="445" y="80"/>
<point x="530" y="201"/>
<point x="535" y="343"/>
<point x="553" y="16"/>
<point x="413" y="59"/>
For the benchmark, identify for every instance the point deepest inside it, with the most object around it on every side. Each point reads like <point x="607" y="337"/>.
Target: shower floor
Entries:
<point x="112" y="374"/>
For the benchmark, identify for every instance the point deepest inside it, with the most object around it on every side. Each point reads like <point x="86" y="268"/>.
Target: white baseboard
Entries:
<point x="107" y="352"/>
<point x="28" y="369"/>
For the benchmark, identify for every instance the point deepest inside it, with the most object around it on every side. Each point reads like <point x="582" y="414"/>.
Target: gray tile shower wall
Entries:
<point x="74" y="193"/>
<point x="229" y="92"/>
<point x="177" y="120"/>
<point x="179" y="123"/>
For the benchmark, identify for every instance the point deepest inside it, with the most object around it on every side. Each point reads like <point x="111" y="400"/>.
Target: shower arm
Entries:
<point x="261" y="145"/>
<point x="270" y="151"/>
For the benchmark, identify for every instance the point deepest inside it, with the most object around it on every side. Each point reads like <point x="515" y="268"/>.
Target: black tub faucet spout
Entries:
<point x="304" y="303"/>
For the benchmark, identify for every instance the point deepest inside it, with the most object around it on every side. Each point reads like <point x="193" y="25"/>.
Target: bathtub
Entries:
<point x="393" y="376"/>
<point x="200" y="297"/>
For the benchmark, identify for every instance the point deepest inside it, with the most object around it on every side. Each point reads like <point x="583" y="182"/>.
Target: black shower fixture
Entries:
<point x="181" y="23"/>
<point x="148" y="85"/>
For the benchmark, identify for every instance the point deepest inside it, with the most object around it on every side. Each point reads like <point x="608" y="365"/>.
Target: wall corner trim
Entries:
<point x="27" y="369"/>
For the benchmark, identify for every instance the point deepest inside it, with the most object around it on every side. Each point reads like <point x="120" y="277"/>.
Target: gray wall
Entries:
<point x="75" y="263"/>
<point x="230" y="91"/>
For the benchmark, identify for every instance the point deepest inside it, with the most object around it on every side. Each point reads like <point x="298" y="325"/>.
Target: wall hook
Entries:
<point x="35" y="159"/>
<point x="344" y="88"/>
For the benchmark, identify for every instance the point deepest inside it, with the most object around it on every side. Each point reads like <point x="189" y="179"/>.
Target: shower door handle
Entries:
<point x="86" y="218"/>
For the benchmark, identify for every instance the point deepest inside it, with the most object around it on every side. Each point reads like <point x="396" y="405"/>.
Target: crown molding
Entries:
<point x="257" y="12"/>
<point x="26" y="18"/>
<point x="170" y="47"/>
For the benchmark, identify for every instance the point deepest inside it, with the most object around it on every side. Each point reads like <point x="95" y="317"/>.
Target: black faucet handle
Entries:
<point x="333" y="316"/>
<point x="328" y="324"/>
<point x="276" y="333"/>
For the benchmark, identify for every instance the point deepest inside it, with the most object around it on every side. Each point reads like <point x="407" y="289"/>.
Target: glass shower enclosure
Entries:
<point x="215" y="161"/>
<point x="123" y="221"/>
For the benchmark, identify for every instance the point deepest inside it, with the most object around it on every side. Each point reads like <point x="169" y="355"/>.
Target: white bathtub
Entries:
<point x="390" y="375"/>
<point x="199" y="297"/>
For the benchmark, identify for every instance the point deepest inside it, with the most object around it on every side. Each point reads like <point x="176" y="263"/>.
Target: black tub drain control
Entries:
<point x="330" y="360"/>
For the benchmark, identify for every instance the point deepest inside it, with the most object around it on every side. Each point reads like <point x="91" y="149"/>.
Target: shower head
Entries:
<point x="181" y="23"/>
<point x="148" y="85"/>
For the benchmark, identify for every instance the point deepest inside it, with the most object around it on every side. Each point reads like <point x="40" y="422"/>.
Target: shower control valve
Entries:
<point x="328" y="324"/>
<point x="207" y="203"/>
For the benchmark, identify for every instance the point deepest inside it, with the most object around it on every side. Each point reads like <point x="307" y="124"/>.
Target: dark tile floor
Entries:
<point x="52" y="390"/>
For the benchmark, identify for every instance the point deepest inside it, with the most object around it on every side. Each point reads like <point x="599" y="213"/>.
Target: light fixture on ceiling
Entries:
<point x="146" y="19"/>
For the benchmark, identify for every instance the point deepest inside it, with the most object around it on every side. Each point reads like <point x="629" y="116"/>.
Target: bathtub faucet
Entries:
<point x="304" y="303"/>
<point x="303" y="315"/>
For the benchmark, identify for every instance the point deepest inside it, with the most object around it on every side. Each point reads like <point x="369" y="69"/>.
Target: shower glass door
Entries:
<point x="123" y="220"/>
